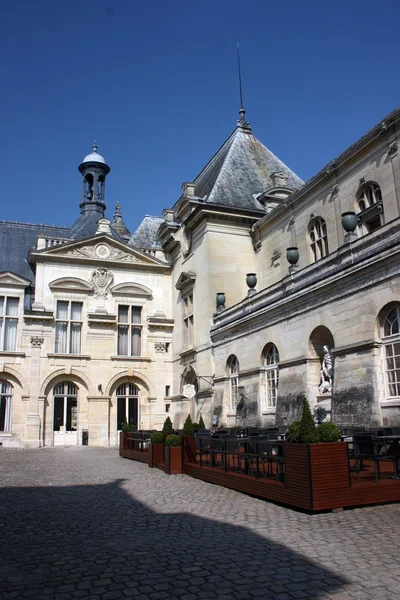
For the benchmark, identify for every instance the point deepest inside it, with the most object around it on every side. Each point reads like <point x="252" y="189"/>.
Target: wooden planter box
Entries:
<point x="173" y="460"/>
<point x="156" y="455"/>
<point x="189" y="449"/>
<point x="316" y="475"/>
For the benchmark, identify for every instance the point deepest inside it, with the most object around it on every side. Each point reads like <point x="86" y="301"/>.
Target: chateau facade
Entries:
<point x="253" y="290"/>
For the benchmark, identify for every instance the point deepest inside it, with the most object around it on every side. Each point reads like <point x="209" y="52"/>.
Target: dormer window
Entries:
<point x="370" y="207"/>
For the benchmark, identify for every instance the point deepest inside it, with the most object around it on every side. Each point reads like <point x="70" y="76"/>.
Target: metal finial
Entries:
<point x="242" y="112"/>
<point x="117" y="215"/>
<point x="94" y="147"/>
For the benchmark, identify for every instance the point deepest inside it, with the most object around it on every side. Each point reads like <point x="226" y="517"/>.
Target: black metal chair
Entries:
<point x="366" y="448"/>
<point x="202" y="441"/>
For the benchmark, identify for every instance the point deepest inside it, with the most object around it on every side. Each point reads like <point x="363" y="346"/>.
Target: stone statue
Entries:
<point x="327" y="370"/>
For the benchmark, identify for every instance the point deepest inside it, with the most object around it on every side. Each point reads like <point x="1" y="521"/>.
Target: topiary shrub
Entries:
<point x="188" y="426"/>
<point x="293" y="432"/>
<point x="167" y="427"/>
<point x="201" y="423"/>
<point x="173" y="440"/>
<point x="196" y="426"/>
<point x="126" y="427"/>
<point x="308" y="433"/>
<point x="328" y="432"/>
<point x="157" y="437"/>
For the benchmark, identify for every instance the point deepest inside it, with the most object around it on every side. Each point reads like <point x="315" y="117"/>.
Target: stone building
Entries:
<point x="253" y="290"/>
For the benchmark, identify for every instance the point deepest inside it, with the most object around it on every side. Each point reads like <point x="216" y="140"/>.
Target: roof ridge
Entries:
<point x="30" y="225"/>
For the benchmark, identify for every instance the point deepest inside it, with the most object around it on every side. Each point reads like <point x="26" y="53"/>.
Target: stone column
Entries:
<point x="33" y="425"/>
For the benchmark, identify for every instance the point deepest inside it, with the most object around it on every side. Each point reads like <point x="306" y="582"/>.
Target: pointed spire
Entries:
<point x="118" y="224"/>
<point x="117" y="214"/>
<point x="94" y="147"/>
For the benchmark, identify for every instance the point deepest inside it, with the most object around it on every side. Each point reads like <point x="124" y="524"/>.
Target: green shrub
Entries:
<point x="157" y="437"/>
<point x="188" y="426"/>
<point x="167" y="427"/>
<point x="308" y="433"/>
<point x="328" y="432"/>
<point x="126" y="427"/>
<point x="196" y="426"/>
<point x="293" y="432"/>
<point x="201" y="423"/>
<point x="173" y="440"/>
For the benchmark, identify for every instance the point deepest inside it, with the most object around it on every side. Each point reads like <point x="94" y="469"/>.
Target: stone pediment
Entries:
<point x="99" y="248"/>
<point x="185" y="280"/>
<point x="10" y="279"/>
<point x="131" y="289"/>
<point x="70" y="283"/>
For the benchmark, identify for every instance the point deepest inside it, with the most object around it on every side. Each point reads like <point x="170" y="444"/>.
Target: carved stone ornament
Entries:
<point x="93" y="252"/>
<point x="36" y="341"/>
<point x="335" y="190"/>
<point x="393" y="148"/>
<point x="291" y="221"/>
<point x="161" y="346"/>
<point x="101" y="280"/>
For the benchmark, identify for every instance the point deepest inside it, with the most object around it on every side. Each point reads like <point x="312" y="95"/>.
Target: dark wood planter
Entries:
<point x="316" y="474"/>
<point x="156" y="455"/>
<point x="189" y="449"/>
<point x="173" y="460"/>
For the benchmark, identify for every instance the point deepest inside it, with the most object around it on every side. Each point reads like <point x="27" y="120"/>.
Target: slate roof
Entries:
<point x="16" y="239"/>
<point x="86" y="226"/>
<point x="239" y="171"/>
<point x="145" y="235"/>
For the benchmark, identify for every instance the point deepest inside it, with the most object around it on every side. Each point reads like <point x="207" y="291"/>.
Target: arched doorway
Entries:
<point x="127" y="405"/>
<point x="65" y="414"/>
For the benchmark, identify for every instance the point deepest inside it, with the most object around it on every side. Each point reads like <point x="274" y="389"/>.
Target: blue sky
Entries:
<point x="155" y="83"/>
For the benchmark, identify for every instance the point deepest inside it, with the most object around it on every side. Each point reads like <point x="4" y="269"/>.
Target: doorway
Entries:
<point x="127" y="405"/>
<point x="65" y="421"/>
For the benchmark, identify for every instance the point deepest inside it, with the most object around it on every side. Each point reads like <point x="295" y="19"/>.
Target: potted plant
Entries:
<point x="156" y="449"/>
<point x="201" y="423"/>
<point x="123" y="437"/>
<point x="316" y="463"/>
<point x="173" y="454"/>
<point x="189" y="441"/>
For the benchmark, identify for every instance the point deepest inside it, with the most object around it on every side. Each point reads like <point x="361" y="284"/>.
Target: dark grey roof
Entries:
<point x="241" y="170"/>
<point x="86" y="226"/>
<point x="145" y="235"/>
<point x="16" y="239"/>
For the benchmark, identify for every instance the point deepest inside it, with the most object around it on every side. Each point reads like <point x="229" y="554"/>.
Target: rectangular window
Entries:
<point x="8" y="323"/>
<point x="393" y="368"/>
<point x="271" y="376"/>
<point x="68" y="327"/>
<point x="129" y="330"/>
<point x="188" y="321"/>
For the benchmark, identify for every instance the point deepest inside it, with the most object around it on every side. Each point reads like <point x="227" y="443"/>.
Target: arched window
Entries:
<point x="233" y="365"/>
<point x="318" y="238"/>
<point x="370" y="206"/>
<point x="127" y="405"/>
<point x="391" y="348"/>
<point x="270" y="364"/>
<point x="5" y="405"/>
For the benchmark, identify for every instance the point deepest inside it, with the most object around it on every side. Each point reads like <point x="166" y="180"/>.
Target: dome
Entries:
<point x="94" y="156"/>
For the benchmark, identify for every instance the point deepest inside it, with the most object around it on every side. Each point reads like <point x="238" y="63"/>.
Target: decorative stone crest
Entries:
<point x="279" y="178"/>
<point x="161" y="346"/>
<point x="101" y="280"/>
<point x="36" y="341"/>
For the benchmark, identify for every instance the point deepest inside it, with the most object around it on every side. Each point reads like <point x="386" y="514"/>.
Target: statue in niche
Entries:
<point x="327" y="370"/>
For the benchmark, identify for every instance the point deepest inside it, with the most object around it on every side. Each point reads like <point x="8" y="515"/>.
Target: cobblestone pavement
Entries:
<point x="84" y="523"/>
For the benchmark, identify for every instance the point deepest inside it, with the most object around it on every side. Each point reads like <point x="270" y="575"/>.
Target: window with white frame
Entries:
<point x="188" y="321"/>
<point x="68" y="327"/>
<point x="5" y="405"/>
<point x="390" y="335"/>
<point x="127" y="405"/>
<point x="318" y="239"/>
<point x="370" y="206"/>
<point x="233" y="382"/>
<point x="270" y="364"/>
<point x="8" y="323"/>
<point x="129" y="330"/>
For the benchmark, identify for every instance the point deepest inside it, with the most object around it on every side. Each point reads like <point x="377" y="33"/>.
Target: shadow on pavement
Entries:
<point x="96" y="541"/>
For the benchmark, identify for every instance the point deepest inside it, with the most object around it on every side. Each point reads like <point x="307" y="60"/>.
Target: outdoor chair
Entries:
<point x="202" y="444"/>
<point x="366" y="448"/>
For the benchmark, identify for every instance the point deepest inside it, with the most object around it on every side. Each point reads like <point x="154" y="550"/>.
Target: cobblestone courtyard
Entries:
<point x="84" y="523"/>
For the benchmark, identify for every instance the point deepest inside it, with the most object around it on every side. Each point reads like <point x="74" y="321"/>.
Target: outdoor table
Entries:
<point x="395" y="440"/>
